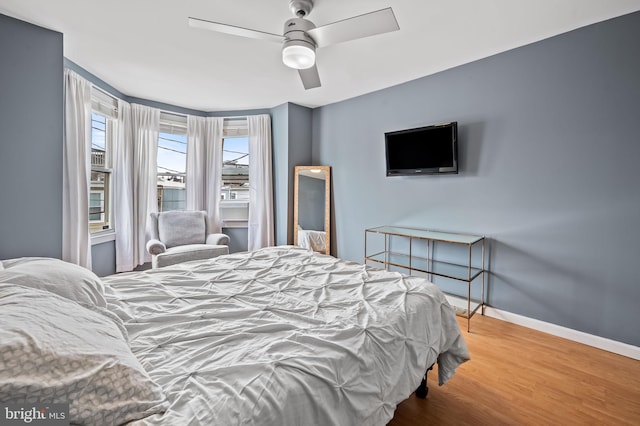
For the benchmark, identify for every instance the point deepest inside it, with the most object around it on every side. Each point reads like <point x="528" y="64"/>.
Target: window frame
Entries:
<point x="104" y="105"/>
<point x="236" y="127"/>
<point x="171" y="124"/>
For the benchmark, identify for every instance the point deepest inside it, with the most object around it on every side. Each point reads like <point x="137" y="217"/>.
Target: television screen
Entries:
<point x="425" y="150"/>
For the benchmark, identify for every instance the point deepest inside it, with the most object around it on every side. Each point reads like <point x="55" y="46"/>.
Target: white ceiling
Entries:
<point x="145" y="49"/>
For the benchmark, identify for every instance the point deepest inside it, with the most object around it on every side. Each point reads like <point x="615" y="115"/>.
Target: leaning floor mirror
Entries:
<point x="311" y="208"/>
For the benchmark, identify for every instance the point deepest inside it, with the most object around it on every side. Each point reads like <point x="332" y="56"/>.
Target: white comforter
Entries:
<point x="284" y="336"/>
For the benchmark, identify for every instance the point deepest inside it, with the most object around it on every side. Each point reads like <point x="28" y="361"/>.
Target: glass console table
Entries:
<point x="446" y="257"/>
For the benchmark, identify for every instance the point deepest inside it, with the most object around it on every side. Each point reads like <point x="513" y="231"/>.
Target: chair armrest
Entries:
<point x="156" y="247"/>
<point x="218" y="239"/>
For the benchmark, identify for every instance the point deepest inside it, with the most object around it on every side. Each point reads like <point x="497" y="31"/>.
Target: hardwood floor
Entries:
<point x="519" y="376"/>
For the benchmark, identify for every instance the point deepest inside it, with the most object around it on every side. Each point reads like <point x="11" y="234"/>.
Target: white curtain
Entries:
<point x="145" y="125"/>
<point x="76" y="240"/>
<point x="123" y="189"/>
<point x="204" y="167"/>
<point x="261" y="217"/>
<point x="195" y="163"/>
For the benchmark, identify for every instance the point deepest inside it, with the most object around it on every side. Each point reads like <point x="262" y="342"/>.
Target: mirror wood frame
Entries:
<point x="327" y="204"/>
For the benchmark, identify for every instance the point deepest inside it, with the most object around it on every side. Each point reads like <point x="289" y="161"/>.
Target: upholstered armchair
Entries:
<point x="180" y="236"/>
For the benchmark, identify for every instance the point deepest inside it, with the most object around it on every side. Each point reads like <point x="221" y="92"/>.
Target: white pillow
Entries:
<point x="62" y="278"/>
<point x="54" y="350"/>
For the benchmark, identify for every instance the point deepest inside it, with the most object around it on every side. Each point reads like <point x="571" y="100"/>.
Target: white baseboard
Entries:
<point x="609" y="345"/>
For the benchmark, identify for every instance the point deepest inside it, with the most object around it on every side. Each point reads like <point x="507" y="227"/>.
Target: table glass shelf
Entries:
<point x="428" y="266"/>
<point x="463" y="269"/>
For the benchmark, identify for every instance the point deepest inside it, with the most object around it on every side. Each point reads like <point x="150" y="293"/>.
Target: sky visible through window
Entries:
<point x="98" y="131"/>
<point x="236" y="151"/>
<point x="172" y="154"/>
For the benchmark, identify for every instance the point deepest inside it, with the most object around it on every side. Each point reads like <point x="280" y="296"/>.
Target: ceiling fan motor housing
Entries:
<point x="296" y="29"/>
<point x="301" y="8"/>
<point x="298" y="49"/>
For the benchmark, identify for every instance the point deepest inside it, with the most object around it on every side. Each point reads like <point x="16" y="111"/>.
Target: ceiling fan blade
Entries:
<point x="233" y="30"/>
<point x="310" y="77"/>
<point x="378" y="22"/>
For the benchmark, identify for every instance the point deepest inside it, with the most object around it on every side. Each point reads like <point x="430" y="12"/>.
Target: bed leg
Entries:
<point x="423" y="390"/>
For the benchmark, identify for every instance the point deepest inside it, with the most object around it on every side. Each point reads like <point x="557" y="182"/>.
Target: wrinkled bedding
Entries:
<point x="284" y="336"/>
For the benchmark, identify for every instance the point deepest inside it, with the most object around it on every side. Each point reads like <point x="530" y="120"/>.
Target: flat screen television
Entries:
<point x="423" y="151"/>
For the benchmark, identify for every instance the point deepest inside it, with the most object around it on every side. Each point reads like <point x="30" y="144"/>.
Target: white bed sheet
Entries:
<point x="284" y="336"/>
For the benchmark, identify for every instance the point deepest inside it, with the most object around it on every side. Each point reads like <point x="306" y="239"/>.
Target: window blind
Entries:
<point x="104" y="103"/>
<point x="175" y="124"/>
<point x="235" y="127"/>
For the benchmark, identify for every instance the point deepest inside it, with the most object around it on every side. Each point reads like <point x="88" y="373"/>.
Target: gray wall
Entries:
<point x="280" y="139"/>
<point x="103" y="258"/>
<point x="238" y="239"/>
<point x="291" y="134"/>
<point x="549" y="155"/>
<point x="291" y="128"/>
<point x="31" y="126"/>
<point x="300" y="119"/>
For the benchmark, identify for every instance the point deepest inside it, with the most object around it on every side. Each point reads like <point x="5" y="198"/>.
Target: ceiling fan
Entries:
<point x="301" y="37"/>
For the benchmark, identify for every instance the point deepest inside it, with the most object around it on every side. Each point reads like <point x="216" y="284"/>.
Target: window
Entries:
<point x="172" y="162"/>
<point x="235" y="169"/>
<point x="100" y="183"/>
<point x="234" y="203"/>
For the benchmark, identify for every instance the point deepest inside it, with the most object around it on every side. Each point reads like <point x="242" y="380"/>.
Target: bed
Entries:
<point x="279" y="336"/>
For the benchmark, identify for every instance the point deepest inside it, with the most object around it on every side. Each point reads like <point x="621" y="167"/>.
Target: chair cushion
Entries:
<point x="177" y="228"/>
<point x="189" y="252"/>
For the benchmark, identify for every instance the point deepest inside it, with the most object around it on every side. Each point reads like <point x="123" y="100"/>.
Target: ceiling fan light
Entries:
<point x="298" y="55"/>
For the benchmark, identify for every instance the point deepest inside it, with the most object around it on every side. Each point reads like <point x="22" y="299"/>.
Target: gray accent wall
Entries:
<point x="550" y="172"/>
<point x="238" y="239"/>
<point x="300" y="151"/>
<point x="280" y="139"/>
<point x="31" y="126"/>
<point x="291" y="128"/>
<point x="103" y="258"/>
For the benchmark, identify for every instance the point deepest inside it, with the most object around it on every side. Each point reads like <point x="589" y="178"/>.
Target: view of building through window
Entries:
<point x="172" y="166"/>
<point x="100" y="175"/>
<point x="234" y="205"/>
<point x="235" y="170"/>
<point x="172" y="171"/>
